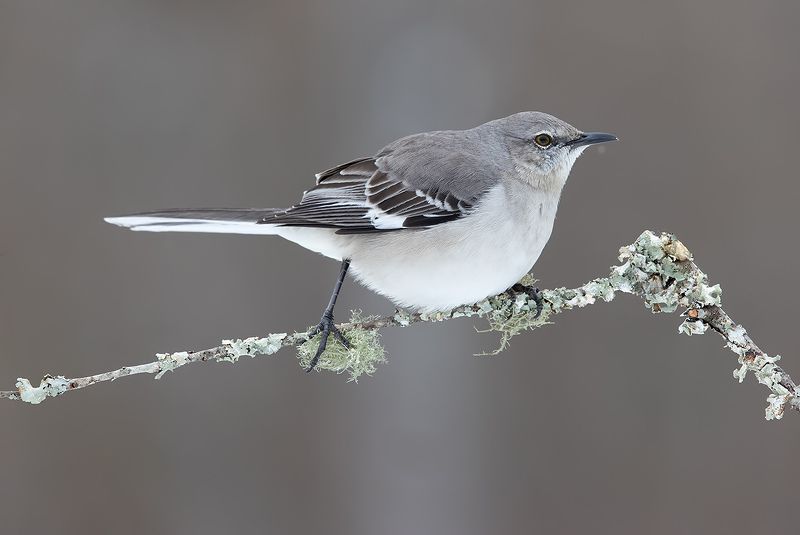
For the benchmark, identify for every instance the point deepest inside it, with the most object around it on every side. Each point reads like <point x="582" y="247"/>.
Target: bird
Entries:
<point x="432" y="221"/>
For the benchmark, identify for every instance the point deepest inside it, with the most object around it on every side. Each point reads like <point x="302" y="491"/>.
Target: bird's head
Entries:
<point x="542" y="147"/>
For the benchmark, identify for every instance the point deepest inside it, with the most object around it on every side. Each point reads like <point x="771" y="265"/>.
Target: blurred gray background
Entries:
<point x="606" y="422"/>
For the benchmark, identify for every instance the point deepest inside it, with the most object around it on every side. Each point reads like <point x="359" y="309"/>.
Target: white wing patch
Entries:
<point x="362" y="197"/>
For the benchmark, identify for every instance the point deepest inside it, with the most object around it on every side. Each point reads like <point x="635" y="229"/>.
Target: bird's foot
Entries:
<point x="325" y="328"/>
<point x="534" y="293"/>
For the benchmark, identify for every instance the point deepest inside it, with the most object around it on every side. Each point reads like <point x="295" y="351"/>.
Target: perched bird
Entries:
<point x="432" y="221"/>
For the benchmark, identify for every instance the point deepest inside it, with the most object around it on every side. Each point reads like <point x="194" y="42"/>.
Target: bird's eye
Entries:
<point x="543" y="140"/>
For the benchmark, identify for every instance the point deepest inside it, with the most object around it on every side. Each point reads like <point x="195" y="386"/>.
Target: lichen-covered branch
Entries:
<point x="657" y="268"/>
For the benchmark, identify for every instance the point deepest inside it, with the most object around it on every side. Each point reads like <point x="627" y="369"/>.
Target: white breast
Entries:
<point x="462" y="261"/>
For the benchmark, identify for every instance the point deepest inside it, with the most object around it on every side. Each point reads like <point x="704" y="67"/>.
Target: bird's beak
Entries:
<point x="591" y="138"/>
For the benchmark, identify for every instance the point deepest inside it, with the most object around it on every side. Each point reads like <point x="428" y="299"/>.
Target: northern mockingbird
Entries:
<point x="432" y="221"/>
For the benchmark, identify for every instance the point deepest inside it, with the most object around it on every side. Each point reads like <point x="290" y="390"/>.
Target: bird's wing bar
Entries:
<point x="369" y="195"/>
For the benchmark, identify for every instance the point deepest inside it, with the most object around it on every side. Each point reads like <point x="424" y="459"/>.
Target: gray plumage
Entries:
<point x="463" y="212"/>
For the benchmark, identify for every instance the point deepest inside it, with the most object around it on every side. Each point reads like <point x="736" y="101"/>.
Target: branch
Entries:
<point x="658" y="269"/>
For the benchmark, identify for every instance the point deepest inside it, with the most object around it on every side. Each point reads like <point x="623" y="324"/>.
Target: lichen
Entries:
<point x="169" y="361"/>
<point x="252" y="346"/>
<point x="49" y="387"/>
<point x="402" y="317"/>
<point x="362" y="358"/>
<point x="659" y="269"/>
<point x="652" y="245"/>
<point x="509" y="317"/>
<point x="691" y="327"/>
<point x="775" y="406"/>
<point x="677" y="250"/>
<point x="528" y="280"/>
<point x="738" y="336"/>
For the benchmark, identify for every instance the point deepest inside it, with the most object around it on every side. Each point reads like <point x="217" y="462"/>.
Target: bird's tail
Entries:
<point x="215" y="220"/>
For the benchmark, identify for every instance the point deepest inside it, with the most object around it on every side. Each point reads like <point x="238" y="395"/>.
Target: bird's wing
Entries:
<point x="402" y="187"/>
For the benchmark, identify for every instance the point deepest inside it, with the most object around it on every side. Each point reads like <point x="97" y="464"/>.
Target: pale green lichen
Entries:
<point x="690" y="327"/>
<point x="651" y="245"/>
<point x="659" y="268"/>
<point x="600" y="289"/>
<point x="509" y="317"/>
<point x="776" y="405"/>
<point x="49" y="387"/>
<point x="169" y="361"/>
<point x="528" y="280"/>
<point x="252" y="346"/>
<point x="362" y="358"/>
<point x="738" y="337"/>
<point x="403" y="318"/>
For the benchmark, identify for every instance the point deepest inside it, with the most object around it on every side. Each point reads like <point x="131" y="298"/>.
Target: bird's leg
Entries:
<point x="534" y="293"/>
<point x="326" y="325"/>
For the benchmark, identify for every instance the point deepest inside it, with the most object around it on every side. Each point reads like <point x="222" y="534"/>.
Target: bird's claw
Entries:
<point x="534" y="293"/>
<point x="325" y="328"/>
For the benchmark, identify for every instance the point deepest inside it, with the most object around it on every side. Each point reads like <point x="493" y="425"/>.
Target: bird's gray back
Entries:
<point x="418" y="181"/>
<point x="465" y="163"/>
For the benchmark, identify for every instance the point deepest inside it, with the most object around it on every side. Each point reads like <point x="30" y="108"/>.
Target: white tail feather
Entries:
<point x="176" y="224"/>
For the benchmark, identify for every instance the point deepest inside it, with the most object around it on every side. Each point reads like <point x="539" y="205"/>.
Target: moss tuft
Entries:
<point x="365" y="352"/>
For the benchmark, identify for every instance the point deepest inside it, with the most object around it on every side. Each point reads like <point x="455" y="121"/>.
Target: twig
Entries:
<point x="657" y="268"/>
